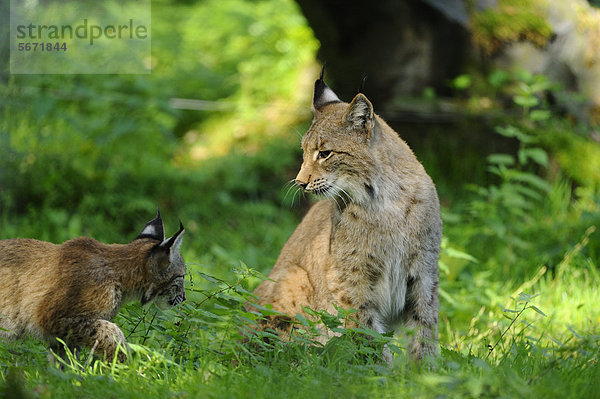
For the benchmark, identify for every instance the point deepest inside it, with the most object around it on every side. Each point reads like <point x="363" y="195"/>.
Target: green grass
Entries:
<point x="519" y="269"/>
<point x="538" y="356"/>
<point x="196" y="350"/>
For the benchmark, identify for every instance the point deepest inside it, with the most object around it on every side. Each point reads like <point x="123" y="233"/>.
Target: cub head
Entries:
<point x="166" y="267"/>
<point x="337" y="160"/>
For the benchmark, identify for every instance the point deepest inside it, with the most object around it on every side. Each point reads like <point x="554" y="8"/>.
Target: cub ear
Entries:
<point x="360" y="113"/>
<point x="171" y="245"/>
<point x="323" y="95"/>
<point x="153" y="229"/>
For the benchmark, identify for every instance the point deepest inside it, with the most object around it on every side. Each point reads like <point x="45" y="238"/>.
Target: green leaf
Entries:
<point x="209" y="278"/>
<point x="528" y="324"/>
<point x="526" y="101"/>
<point x="508" y="131"/>
<point x="462" y="82"/>
<point x="494" y="170"/>
<point x="501" y="159"/>
<point x="498" y="77"/>
<point x="537" y="310"/>
<point x="524" y="297"/>
<point x="208" y="314"/>
<point x="575" y="333"/>
<point x="429" y="93"/>
<point x="396" y="349"/>
<point x="444" y="269"/>
<point x="368" y="332"/>
<point x="532" y="179"/>
<point x="302" y="319"/>
<point x="537" y="155"/>
<point x="454" y="253"/>
<point x="514" y="132"/>
<point x="539" y="115"/>
<point x="541" y="84"/>
<point x="528" y="192"/>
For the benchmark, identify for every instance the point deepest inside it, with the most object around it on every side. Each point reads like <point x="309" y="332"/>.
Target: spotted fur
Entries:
<point x="72" y="290"/>
<point x="373" y="242"/>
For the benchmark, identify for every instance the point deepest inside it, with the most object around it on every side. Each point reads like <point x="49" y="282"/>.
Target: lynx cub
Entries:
<point x="72" y="290"/>
<point x="373" y="243"/>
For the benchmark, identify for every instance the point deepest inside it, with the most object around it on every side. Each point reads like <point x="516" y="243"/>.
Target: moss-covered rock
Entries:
<point x="510" y="21"/>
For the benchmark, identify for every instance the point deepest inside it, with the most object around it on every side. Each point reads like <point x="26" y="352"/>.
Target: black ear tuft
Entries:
<point x="173" y="243"/>
<point x="323" y="95"/>
<point x="153" y="229"/>
<point x="361" y="89"/>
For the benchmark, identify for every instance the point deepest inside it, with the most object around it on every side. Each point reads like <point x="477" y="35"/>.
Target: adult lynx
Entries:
<point x="73" y="290"/>
<point x="373" y="243"/>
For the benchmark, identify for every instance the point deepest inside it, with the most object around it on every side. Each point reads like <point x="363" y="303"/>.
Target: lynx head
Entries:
<point x="338" y="160"/>
<point x="166" y="267"/>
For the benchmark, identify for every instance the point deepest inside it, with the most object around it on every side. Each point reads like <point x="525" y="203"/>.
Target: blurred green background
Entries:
<point x="97" y="154"/>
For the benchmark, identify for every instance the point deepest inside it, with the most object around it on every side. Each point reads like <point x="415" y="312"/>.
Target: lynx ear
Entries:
<point x="171" y="245"/>
<point x="360" y="113"/>
<point x="323" y="95"/>
<point x="153" y="229"/>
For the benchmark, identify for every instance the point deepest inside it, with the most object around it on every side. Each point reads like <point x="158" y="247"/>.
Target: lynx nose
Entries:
<point x="301" y="184"/>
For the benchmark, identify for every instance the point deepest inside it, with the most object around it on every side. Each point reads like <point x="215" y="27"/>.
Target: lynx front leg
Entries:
<point x="422" y="314"/>
<point x="102" y="336"/>
<point x="106" y="337"/>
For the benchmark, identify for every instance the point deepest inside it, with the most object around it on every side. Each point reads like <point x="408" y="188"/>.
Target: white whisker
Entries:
<point x="296" y="191"/>
<point x="298" y="133"/>
<point x="291" y="185"/>
<point x="337" y="191"/>
<point x="334" y="196"/>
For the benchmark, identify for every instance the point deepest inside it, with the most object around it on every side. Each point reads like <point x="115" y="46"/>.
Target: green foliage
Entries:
<point x="578" y="156"/>
<point x="461" y="82"/>
<point x="518" y="211"/>
<point x="240" y="39"/>
<point x="81" y="151"/>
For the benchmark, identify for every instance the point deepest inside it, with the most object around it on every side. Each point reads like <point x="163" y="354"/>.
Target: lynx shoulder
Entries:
<point x="72" y="290"/>
<point x="372" y="243"/>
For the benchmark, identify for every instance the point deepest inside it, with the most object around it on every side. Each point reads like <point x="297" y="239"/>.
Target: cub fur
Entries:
<point x="73" y="290"/>
<point x="373" y="243"/>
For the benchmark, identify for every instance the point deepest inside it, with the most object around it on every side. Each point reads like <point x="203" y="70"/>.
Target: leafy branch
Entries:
<point x="526" y="299"/>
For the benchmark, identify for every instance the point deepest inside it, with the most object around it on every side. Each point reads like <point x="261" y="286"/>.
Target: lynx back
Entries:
<point x="72" y="290"/>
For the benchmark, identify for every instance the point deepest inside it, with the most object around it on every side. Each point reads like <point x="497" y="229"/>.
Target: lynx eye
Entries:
<point x="324" y="154"/>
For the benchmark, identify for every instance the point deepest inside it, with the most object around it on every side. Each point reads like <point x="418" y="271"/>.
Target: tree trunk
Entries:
<point x="402" y="46"/>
